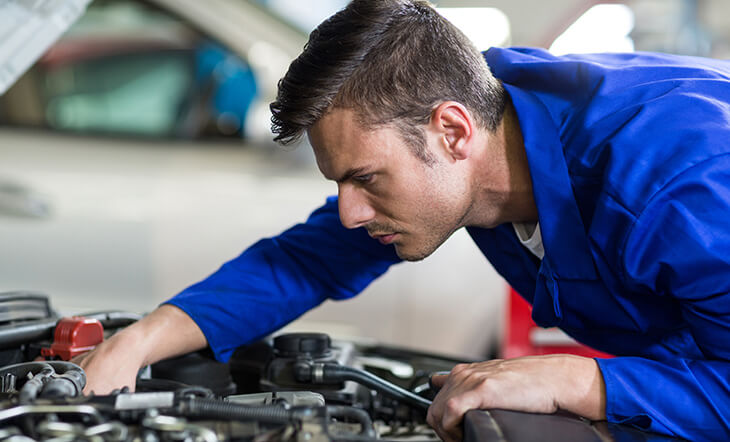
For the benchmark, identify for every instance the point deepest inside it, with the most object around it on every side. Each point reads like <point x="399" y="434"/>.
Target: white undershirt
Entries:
<point x="530" y="237"/>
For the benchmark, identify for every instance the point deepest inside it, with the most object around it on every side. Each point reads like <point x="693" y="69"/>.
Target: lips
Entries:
<point x="385" y="239"/>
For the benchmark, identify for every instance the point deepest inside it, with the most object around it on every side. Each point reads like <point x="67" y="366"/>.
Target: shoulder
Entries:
<point x="638" y="140"/>
<point x="679" y="241"/>
<point x="569" y="85"/>
<point x="635" y="67"/>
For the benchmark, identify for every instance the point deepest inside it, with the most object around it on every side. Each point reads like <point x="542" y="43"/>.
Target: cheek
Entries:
<point x="417" y="211"/>
<point x="387" y="198"/>
<point x="411" y="199"/>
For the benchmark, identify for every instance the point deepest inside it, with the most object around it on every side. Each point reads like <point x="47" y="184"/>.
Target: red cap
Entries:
<point x="73" y="336"/>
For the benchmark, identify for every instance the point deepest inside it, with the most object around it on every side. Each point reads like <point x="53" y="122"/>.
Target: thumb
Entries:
<point x="438" y="379"/>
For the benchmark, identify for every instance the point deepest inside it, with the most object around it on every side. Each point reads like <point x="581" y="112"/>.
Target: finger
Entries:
<point x="435" y="413"/>
<point x="434" y="421"/>
<point x="438" y="379"/>
<point x="431" y="417"/>
<point x="448" y="436"/>
<point x="454" y="435"/>
<point x="455" y="408"/>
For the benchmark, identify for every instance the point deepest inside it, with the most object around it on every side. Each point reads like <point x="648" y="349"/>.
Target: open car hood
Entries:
<point x="28" y="29"/>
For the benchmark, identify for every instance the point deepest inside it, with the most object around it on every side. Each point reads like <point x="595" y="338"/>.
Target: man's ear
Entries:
<point x="454" y="125"/>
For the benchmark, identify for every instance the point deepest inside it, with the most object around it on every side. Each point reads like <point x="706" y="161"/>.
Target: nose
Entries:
<point x="355" y="210"/>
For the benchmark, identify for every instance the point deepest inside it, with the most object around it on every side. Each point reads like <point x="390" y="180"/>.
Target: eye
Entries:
<point x="364" y="178"/>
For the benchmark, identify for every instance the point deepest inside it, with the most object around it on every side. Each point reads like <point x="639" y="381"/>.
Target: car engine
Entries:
<point x="293" y="387"/>
<point x="301" y="386"/>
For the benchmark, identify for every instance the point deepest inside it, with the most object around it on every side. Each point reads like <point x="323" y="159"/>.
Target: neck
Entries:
<point x="503" y="183"/>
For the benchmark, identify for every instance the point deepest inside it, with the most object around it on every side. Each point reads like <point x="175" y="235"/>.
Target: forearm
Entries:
<point x="683" y="398"/>
<point x="582" y="390"/>
<point x="278" y="279"/>
<point x="166" y="332"/>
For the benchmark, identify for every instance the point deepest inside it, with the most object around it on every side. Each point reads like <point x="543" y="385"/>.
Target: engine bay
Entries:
<point x="291" y="387"/>
<point x="301" y="386"/>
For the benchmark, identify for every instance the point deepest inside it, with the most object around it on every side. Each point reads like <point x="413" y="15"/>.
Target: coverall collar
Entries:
<point x="566" y="249"/>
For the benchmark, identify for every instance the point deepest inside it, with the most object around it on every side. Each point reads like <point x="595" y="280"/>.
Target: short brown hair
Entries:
<point x="392" y="61"/>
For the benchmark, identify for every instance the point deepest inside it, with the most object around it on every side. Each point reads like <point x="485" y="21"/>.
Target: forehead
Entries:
<point x="341" y="143"/>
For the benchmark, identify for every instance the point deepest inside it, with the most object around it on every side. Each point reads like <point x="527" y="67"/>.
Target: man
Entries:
<point x="598" y="186"/>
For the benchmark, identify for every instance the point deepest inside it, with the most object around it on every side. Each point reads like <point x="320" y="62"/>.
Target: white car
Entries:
<point x="135" y="158"/>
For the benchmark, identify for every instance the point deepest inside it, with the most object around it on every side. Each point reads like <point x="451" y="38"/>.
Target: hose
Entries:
<point x="214" y="409"/>
<point x="200" y="408"/>
<point x="114" y="318"/>
<point x="356" y="414"/>
<point x="13" y="335"/>
<point x="32" y="388"/>
<point x="68" y="384"/>
<point x="327" y="372"/>
<point x="49" y="379"/>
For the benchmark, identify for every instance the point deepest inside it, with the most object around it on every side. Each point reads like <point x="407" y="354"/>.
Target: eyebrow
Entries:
<point x="349" y="174"/>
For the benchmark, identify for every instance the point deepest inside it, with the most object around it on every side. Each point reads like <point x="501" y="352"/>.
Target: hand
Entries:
<point x="536" y="384"/>
<point x="112" y="364"/>
<point x="164" y="333"/>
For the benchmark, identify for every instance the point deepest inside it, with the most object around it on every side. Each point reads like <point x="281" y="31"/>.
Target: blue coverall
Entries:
<point x="629" y="156"/>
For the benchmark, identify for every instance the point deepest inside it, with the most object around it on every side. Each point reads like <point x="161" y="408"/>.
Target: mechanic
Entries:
<point x="597" y="185"/>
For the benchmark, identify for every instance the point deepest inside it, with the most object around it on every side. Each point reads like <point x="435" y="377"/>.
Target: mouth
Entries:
<point x="384" y="238"/>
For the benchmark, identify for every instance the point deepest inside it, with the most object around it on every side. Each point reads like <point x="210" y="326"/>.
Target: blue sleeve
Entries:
<point x="679" y="248"/>
<point x="278" y="279"/>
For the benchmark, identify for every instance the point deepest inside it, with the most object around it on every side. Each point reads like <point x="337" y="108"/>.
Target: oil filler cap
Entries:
<point x="73" y="336"/>
<point x="313" y="345"/>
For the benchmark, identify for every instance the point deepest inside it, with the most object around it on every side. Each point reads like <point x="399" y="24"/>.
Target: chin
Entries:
<point x="412" y="255"/>
<point x="408" y="249"/>
<point x="412" y="258"/>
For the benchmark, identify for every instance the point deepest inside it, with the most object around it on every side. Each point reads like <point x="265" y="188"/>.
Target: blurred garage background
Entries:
<point x="135" y="156"/>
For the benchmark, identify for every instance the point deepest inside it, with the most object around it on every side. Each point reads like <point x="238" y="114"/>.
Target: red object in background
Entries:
<point x="73" y="336"/>
<point x="522" y="337"/>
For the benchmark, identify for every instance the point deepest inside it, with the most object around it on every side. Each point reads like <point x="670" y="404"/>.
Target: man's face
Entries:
<point x="385" y="188"/>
